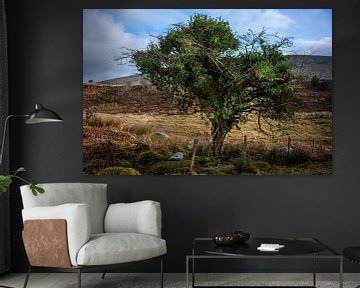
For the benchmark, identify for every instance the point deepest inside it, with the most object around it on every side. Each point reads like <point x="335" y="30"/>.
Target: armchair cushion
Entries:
<point x="78" y="221"/>
<point x="92" y="194"/>
<point x="113" y="248"/>
<point x="138" y="217"/>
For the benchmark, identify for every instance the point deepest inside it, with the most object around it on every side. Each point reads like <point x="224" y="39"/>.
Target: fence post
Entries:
<point x="288" y="148"/>
<point x="196" y="141"/>
<point x="245" y="144"/>
<point x="313" y="145"/>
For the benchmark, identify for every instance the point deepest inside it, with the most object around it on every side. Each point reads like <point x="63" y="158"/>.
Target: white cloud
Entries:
<point x="254" y="19"/>
<point x="276" y="20"/>
<point x="240" y="19"/>
<point x="102" y="40"/>
<point x="321" y="46"/>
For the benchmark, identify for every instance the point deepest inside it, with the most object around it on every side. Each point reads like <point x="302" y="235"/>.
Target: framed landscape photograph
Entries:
<point x="207" y="91"/>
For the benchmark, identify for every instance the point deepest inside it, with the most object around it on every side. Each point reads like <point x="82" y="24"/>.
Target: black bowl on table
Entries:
<point x="231" y="238"/>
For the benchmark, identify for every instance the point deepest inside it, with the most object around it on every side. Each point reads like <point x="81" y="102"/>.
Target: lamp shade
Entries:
<point x="42" y="115"/>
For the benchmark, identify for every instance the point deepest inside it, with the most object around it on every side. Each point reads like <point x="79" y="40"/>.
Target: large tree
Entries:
<point x="204" y="63"/>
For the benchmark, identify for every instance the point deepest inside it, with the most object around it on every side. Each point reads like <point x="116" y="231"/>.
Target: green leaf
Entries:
<point x="5" y="182"/>
<point x="36" y="189"/>
<point x="39" y="189"/>
<point x="20" y="169"/>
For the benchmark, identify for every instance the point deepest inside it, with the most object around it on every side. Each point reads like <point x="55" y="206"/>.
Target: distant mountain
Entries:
<point x="304" y="66"/>
<point x="307" y="66"/>
<point x="132" y="80"/>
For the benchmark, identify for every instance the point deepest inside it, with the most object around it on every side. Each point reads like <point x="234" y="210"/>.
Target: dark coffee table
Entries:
<point x="294" y="248"/>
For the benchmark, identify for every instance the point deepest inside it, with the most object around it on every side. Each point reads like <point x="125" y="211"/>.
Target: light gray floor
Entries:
<point x="116" y="280"/>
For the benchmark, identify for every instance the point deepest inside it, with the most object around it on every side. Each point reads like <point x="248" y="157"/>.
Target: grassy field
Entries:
<point x="141" y="144"/>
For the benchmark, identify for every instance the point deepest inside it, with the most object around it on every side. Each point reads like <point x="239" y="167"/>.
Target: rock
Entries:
<point x="162" y="135"/>
<point x="177" y="156"/>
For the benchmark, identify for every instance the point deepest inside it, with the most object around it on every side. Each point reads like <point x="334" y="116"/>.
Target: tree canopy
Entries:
<point x="204" y="63"/>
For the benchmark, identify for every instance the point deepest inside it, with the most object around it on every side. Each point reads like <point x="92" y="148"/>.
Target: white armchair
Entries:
<point x="72" y="228"/>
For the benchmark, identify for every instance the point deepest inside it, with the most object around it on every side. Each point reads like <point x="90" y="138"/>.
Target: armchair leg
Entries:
<point x="79" y="277"/>
<point x="161" y="273"/>
<point x="27" y="277"/>
<point x="103" y="275"/>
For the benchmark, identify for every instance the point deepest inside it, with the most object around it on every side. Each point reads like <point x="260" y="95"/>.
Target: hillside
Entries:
<point x="119" y="99"/>
<point x="132" y="80"/>
<point x="304" y="66"/>
<point x="139" y="99"/>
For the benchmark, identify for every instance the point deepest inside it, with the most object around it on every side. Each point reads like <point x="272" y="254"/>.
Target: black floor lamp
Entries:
<point x="39" y="115"/>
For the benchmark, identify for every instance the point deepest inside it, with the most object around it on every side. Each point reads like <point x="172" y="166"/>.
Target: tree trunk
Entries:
<point x="218" y="133"/>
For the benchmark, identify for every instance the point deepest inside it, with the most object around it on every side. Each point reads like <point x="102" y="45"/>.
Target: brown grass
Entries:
<point x="305" y="130"/>
<point x="117" y="120"/>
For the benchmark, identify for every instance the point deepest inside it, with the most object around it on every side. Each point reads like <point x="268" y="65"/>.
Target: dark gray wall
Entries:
<point x="45" y="43"/>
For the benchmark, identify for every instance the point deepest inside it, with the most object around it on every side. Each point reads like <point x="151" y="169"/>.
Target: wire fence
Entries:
<point x="142" y="158"/>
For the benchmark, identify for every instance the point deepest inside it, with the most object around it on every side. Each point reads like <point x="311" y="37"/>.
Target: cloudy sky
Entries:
<point x="105" y="31"/>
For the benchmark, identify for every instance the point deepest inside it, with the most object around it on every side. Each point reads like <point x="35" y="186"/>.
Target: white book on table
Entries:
<point x="270" y="247"/>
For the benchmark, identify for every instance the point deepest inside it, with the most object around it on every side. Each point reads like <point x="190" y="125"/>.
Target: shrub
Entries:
<point x="202" y="160"/>
<point x="124" y="163"/>
<point x="175" y="147"/>
<point x="203" y="149"/>
<point x="95" y="121"/>
<point x="139" y="129"/>
<point x="119" y="171"/>
<point x="315" y="82"/>
<point x="171" y="167"/>
<point x="319" y="84"/>
<point x="219" y="169"/>
<point x="149" y="158"/>
<point x="324" y="85"/>
<point x="111" y="122"/>
<point x="262" y="167"/>
<point x="294" y="157"/>
<point x="109" y="152"/>
<point x="90" y="165"/>
<point x="243" y="163"/>
<point x="233" y="151"/>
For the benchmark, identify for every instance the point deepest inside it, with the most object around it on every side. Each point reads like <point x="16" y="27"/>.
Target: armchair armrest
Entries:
<point x="138" y="217"/>
<point x="52" y="250"/>
<point x="77" y="219"/>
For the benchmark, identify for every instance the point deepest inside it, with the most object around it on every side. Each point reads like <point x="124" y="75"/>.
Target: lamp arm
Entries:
<point x="4" y="134"/>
